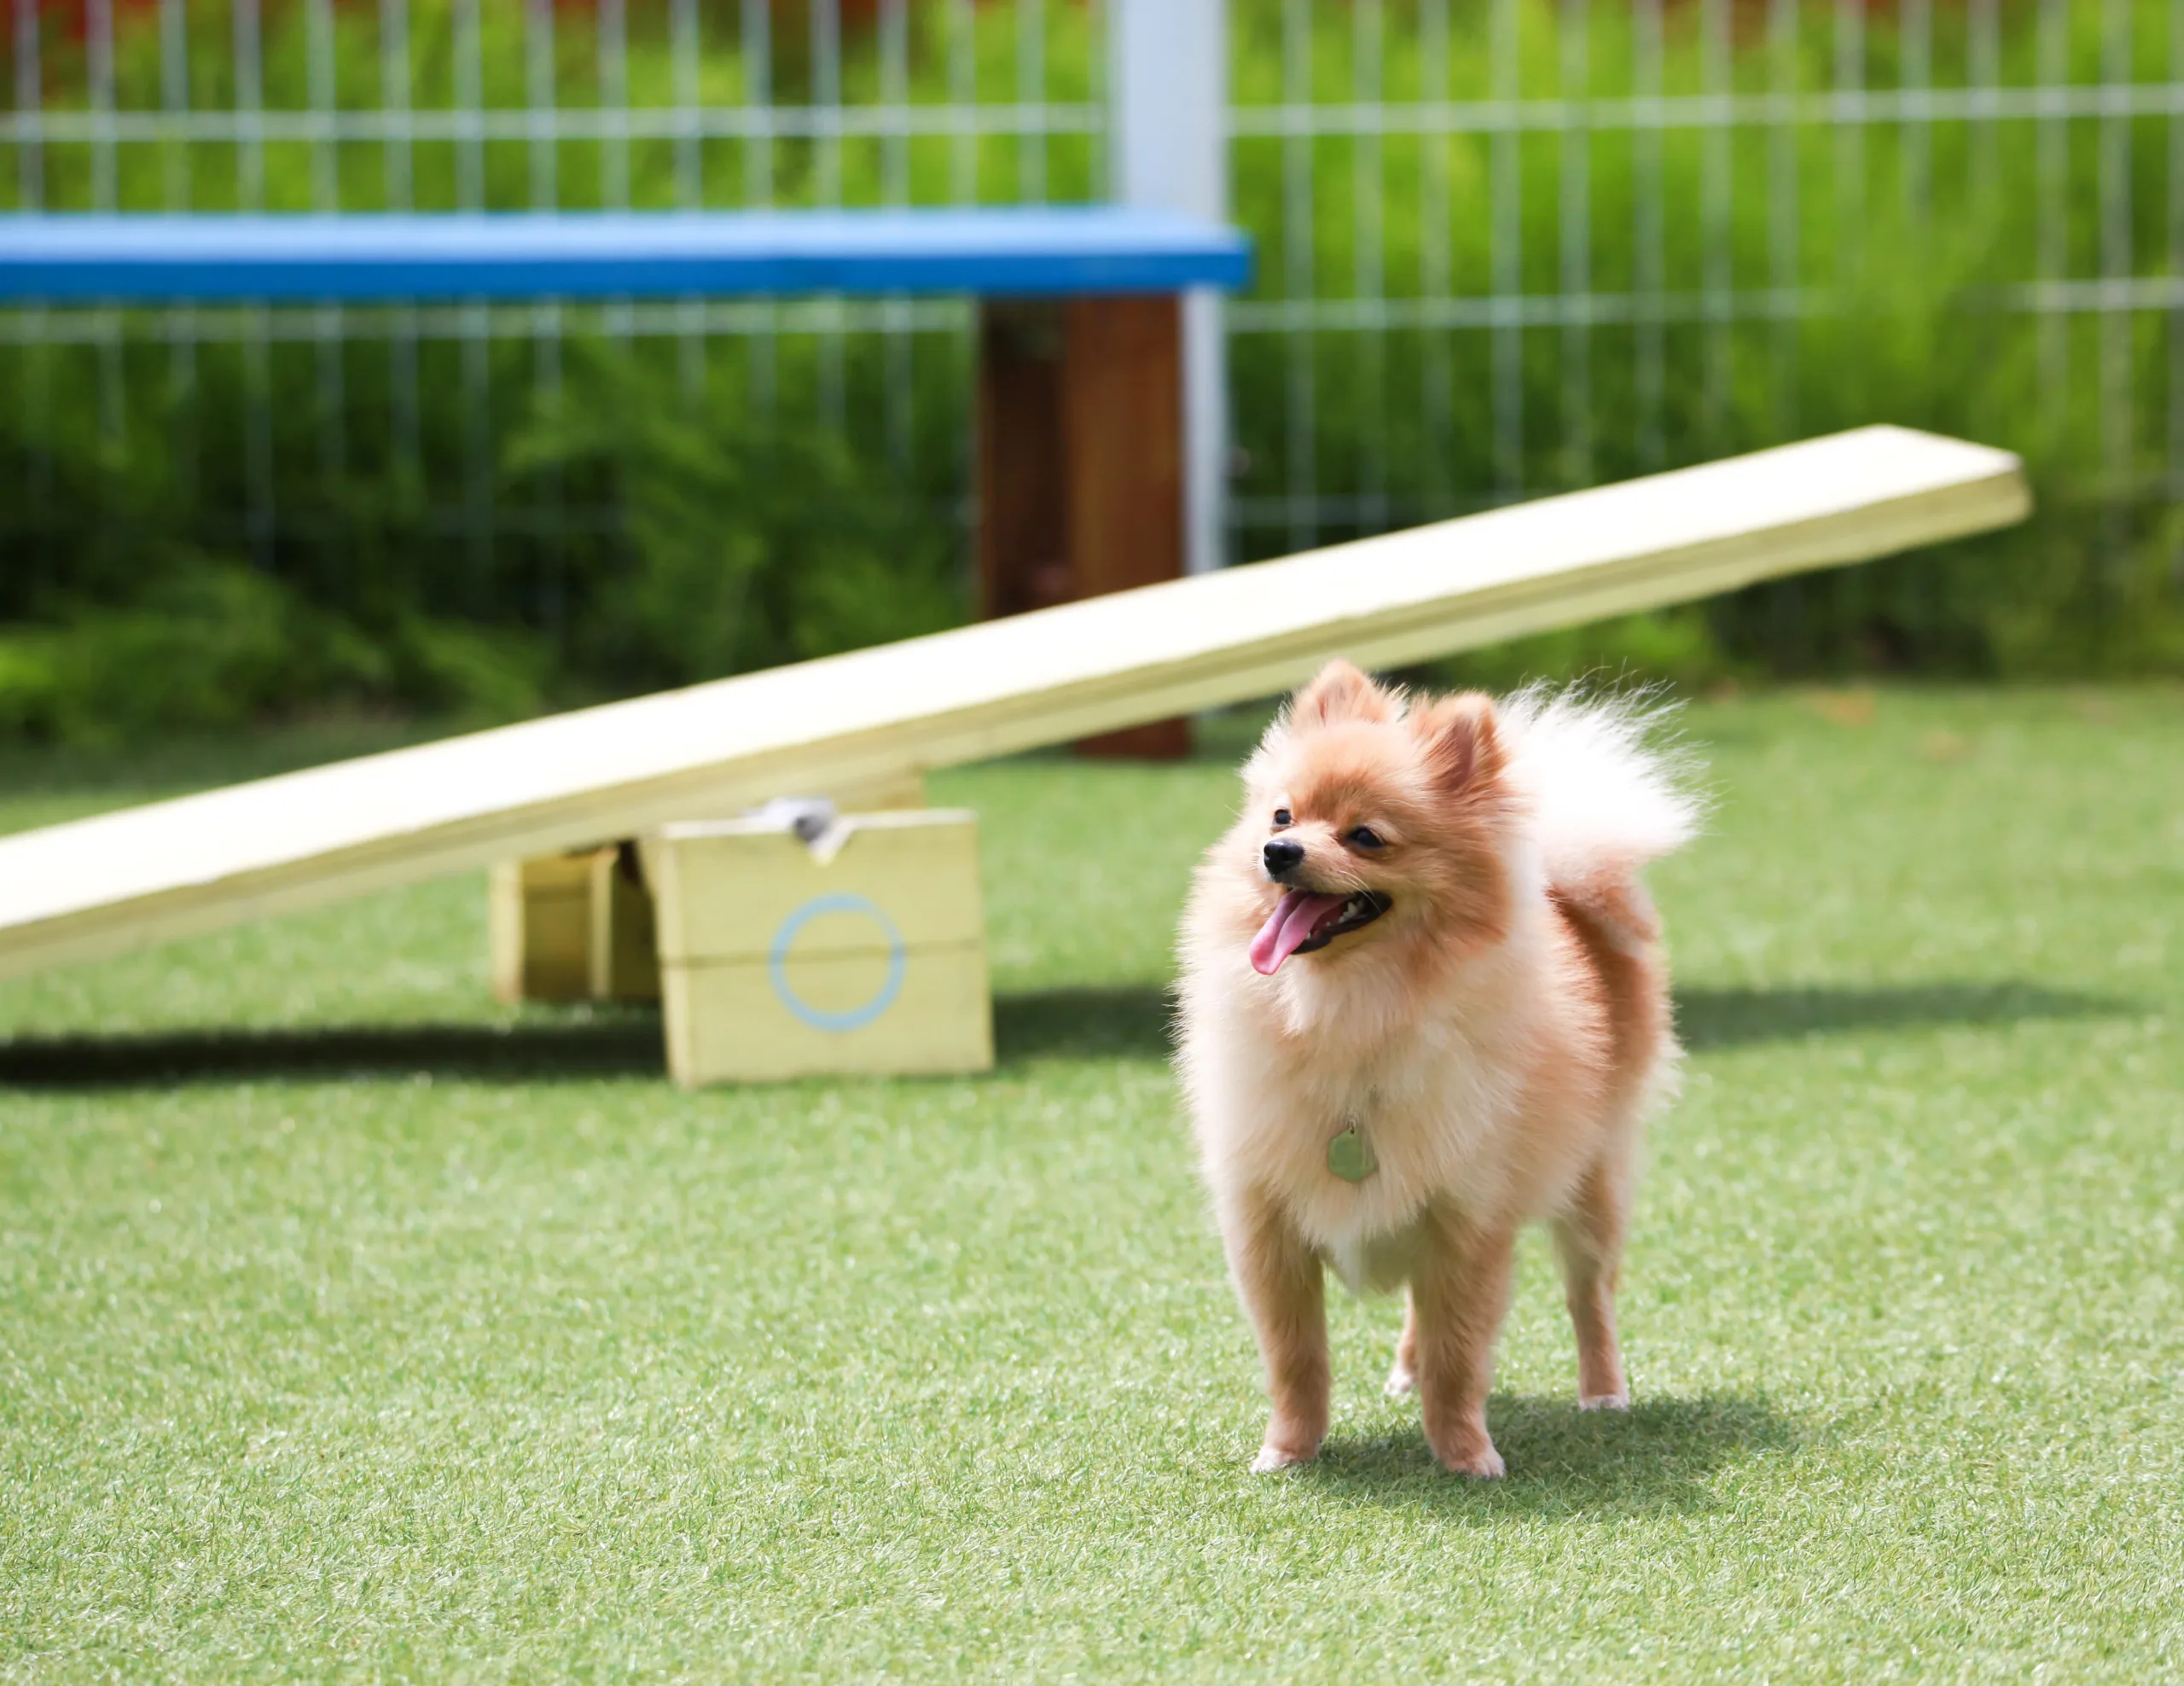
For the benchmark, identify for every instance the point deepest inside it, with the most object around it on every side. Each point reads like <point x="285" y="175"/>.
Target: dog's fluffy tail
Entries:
<point x="1605" y="794"/>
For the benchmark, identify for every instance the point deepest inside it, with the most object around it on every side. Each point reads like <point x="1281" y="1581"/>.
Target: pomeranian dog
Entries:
<point x="1425" y="1002"/>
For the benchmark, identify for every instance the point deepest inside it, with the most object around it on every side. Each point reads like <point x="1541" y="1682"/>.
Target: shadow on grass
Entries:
<point x="1130" y="1021"/>
<point x="1657" y="1455"/>
<point x="1134" y="1019"/>
<point x="529" y="1053"/>
<point x="1731" y="1018"/>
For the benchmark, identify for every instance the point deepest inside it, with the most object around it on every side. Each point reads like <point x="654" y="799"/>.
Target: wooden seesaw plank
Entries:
<point x="143" y="875"/>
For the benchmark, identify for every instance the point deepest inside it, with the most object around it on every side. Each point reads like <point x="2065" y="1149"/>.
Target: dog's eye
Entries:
<point x="1282" y="817"/>
<point x="1366" y="838"/>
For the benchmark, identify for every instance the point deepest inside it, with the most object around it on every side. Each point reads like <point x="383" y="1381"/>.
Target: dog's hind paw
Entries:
<point x="1271" y="1458"/>
<point x="1603" y="1401"/>
<point x="1402" y="1381"/>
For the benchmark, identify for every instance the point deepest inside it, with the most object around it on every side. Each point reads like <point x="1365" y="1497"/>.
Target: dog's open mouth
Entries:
<point x="1304" y="921"/>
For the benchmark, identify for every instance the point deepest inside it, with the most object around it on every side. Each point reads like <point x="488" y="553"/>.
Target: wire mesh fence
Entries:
<point x="1506" y="247"/>
<point x="284" y="419"/>
<point x="1516" y="247"/>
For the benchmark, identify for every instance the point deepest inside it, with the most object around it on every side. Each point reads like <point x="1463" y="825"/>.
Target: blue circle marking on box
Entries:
<point x="857" y="1018"/>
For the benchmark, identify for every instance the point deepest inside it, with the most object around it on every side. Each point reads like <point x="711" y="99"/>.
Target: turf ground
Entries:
<point x="351" y="1327"/>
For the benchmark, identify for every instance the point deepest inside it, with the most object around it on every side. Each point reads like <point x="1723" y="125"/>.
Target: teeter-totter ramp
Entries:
<point x="780" y="957"/>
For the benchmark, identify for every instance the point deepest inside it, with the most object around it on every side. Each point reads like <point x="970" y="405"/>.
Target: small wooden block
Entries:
<point x="623" y="954"/>
<point x="538" y="916"/>
<point x="593" y="912"/>
<point x="864" y="954"/>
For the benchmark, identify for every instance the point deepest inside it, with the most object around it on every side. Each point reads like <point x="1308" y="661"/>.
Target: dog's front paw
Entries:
<point x="1479" y="1466"/>
<point x="1402" y="1381"/>
<point x="1467" y="1452"/>
<point x="1272" y="1457"/>
<point x="1603" y="1401"/>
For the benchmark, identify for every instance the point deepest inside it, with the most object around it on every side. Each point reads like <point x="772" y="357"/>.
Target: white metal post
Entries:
<point x="1168" y="107"/>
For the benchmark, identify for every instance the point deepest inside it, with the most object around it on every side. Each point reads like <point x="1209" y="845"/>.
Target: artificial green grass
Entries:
<point x="354" y="1328"/>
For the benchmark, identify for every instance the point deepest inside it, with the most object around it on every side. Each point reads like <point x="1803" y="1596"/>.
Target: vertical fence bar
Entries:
<point x="1368" y="235"/>
<point x="98" y="96"/>
<point x="1168" y="148"/>
<point x="689" y="179"/>
<point x="2118" y="445"/>
<point x="1647" y="234"/>
<point x="1101" y="24"/>
<point x="1848" y="105"/>
<point x="1505" y="197"/>
<point x="398" y="176"/>
<point x="1575" y="187"/>
<point x="1031" y="100"/>
<point x="469" y="104"/>
<point x="1782" y="255"/>
<point x="30" y="106"/>
<point x="542" y="133"/>
<point x="1436" y="377"/>
<point x="762" y="367"/>
<point x="2175" y="218"/>
<point x="259" y="515"/>
<point x="611" y="33"/>
<point x="319" y="92"/>
<point x="1716" y="187"/>
<point x="900" y="417"/>
<point x="30" y="185"/>
<point x="963" y="189"/>
<point x="1982" y="30"/>
<point x="174" y="104"/>
<point x="539" y="125"/>
<point x="2052" y="173"/>
<point x="963" y="96"/>
<point x="1917" y="140"/>
<point x="542" y="130"/>
<point x="98" y="76"/>
<point x="179" y="323"/>
<point x="1301" y="419"/>
<point x="328" y="324"/>
<point x="827" y="95"/>
<point x="476" y="322"/>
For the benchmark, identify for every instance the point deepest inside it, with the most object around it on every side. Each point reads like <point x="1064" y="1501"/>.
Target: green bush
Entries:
<point x="204" y="645"/>
<point x="745" y="545"/>
<point x="624" y="513"/>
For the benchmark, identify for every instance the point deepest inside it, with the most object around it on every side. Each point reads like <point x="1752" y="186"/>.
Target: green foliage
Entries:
<point x="682" y="505"/>
<point x="204" y="645"/>
<point x="750" y="546"/>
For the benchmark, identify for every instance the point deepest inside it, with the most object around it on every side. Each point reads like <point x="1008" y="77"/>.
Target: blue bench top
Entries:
<point x="372" y="258"/>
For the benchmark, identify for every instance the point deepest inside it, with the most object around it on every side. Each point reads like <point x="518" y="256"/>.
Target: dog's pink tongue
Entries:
<point x="1288" y="928"/>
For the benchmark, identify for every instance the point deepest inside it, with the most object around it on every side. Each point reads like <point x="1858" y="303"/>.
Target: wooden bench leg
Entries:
<point x="540" y="921"/>
<point x="1081" y="462"/>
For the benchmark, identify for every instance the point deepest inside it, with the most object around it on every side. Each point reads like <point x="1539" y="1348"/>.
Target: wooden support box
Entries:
<point x="572" y="928"/>
<point x="538" y="919"/>
<point x="863" y="952"/>
<point x="579" y="926"/>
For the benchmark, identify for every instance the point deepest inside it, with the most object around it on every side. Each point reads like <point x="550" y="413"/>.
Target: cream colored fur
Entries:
<point x="1497" y="1036"/>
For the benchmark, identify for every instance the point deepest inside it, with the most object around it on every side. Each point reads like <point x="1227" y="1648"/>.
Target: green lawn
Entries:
<point x="355" y="1327"/>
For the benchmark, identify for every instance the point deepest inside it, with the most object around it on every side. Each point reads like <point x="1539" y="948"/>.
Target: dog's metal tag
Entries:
<point x="1350" y="1156"/>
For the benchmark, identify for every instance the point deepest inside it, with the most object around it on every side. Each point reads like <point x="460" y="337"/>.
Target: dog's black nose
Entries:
<point x="1281" y="855"/>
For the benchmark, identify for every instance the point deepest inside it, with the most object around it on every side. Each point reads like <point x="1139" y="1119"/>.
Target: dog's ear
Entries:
<point x="1341" y="692"/>
<point x="1463" y="745"/>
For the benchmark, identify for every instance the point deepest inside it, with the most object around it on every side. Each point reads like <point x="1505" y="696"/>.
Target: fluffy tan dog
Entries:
<point x="1425" y="1002"/>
